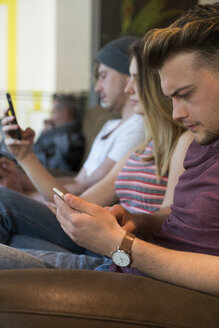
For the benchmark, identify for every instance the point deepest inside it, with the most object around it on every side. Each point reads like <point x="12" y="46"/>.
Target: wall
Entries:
<point x="3" y="53"/>
<point x="73" y="45"/>
<point x="45" y="48"/>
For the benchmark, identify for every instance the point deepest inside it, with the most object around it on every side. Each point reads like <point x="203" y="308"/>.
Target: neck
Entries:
<point x="127" y="111"/>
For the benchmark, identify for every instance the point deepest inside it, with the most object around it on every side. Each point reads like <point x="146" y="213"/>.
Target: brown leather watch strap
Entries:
<point x="127" y="241"/>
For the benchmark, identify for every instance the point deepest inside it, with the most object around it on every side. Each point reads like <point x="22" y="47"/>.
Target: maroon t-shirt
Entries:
<point x="193" y="224"/>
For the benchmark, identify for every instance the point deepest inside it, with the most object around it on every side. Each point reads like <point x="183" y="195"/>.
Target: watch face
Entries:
<point x="121" y="258"/>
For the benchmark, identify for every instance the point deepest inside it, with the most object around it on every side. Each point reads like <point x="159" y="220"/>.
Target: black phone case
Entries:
<point x="17" y="133"/>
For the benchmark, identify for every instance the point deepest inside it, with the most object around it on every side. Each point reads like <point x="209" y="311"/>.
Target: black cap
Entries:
<point x="116" y="54"/>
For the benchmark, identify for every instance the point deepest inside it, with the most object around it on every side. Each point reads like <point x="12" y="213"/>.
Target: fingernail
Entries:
<point x="68" y="198"/>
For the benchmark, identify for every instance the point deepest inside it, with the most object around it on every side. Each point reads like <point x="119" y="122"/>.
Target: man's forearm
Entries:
<point x="191" y="270"/>
<point x="186" y="269"/>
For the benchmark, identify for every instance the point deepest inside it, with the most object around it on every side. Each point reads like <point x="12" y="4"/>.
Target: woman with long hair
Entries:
<point x="144" y="181"/>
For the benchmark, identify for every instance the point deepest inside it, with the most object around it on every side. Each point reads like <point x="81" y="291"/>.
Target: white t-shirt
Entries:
<point x="124" y="138"/>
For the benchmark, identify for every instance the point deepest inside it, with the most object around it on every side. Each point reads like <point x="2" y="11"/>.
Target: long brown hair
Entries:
<point x="160" y="127"/>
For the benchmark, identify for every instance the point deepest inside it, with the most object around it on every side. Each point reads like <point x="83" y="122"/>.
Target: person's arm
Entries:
<point x="81" y="182"/>
<point x="95" y="228"/>
<point x="103" y="192"/>
<point x="36" y="172"/>
<point x="22" y="151"/>
<point x="176" y="166"/>
<point x="140" y="224"/>
<point x="12" y="177"/>
<point x="40" y="176"/>
<point x="185" y="269"/>
<point x="10" y="174"/>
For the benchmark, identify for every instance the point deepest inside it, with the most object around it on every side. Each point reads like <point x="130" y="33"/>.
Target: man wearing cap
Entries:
<point x="116" y="137"/>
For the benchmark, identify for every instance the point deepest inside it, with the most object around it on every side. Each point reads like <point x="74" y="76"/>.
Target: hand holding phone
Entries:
<point x="16" y="133"/>
<point x="59" y="193"/>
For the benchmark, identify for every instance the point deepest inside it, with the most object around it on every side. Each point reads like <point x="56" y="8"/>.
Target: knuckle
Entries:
<point x="77" y="222"/>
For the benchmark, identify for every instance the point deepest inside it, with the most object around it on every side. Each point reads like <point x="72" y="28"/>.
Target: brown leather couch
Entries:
<point x="34" y="298"/>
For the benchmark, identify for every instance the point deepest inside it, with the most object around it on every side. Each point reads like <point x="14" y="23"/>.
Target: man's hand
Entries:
<point x="140" y="224"/>
<point x="124" y="218"/>
<point x="89" y="225"/>
<point x="135" y="223"/>
<point x="19" y="148"/>
<point x="10" y="175"/>
<point x="48" y="125"/>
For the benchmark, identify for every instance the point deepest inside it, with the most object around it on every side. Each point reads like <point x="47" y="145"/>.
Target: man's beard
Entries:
<point x="208" y="138"/>
<point x="105" y="106"/>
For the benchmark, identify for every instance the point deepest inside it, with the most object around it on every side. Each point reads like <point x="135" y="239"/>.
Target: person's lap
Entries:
<point x="28" y="242"/>
<point x="11" y="258"/>
<point x="21" y="215"/>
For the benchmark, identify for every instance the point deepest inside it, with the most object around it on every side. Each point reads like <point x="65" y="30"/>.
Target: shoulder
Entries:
<point x="186" y="138"/>
<point x="111" y="123"/>
<point x="184" y="141"/>
<point x="181" y="148"/>
<point x="133" y="125"/>
<point x="135" y="118"/>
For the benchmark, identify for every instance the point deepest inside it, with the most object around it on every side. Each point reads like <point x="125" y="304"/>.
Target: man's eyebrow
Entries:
<point x="173" y="94"/>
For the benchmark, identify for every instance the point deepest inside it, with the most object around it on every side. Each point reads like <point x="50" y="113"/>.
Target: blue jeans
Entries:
<point x="11" y="258"/>
<point x="21" y="215"/>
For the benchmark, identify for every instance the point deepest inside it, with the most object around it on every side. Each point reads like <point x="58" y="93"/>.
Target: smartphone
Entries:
<point x="59" y="193"/>
<point x="17" y="133"/>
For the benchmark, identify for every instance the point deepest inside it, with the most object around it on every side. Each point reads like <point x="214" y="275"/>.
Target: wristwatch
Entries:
<point x="122" y="256"/>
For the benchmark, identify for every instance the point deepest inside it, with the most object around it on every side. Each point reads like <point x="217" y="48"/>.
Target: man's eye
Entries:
<point x="102" y="76"/>
<point x="184" y="95"/>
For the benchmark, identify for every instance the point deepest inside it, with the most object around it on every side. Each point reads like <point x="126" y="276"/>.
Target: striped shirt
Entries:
<point x="136" y="185"/>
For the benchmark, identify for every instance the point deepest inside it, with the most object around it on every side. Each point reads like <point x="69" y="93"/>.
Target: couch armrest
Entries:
<point x="74" y="298"/>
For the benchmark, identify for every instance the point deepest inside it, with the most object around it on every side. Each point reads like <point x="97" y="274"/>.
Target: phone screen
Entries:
<point x="17" y="133"/>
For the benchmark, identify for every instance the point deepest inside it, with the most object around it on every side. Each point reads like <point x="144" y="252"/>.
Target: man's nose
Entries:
<point x="179" y="110"/>
<point x="98" y="86"/>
